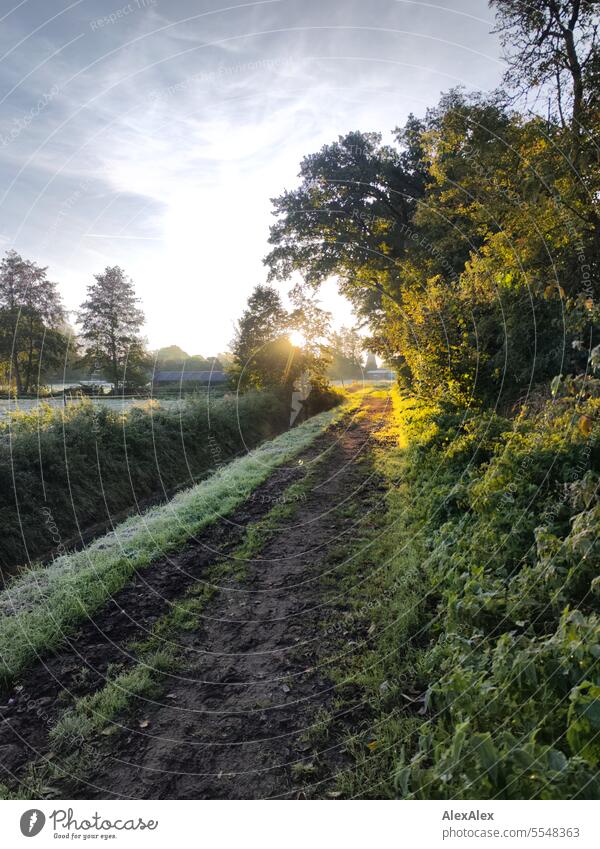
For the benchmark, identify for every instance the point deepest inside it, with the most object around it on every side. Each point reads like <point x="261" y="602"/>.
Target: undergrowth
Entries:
<point x="481" y="669"/>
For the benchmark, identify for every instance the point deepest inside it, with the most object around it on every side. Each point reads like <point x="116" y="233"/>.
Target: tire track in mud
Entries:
<point x="252" y="678"/>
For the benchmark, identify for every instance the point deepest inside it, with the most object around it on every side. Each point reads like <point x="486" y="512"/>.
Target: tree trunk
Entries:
<point x="29" y="368"/>
<point x="17" y="373"/>
<point x="576" y="74"/>
<point x="115" y="364"/>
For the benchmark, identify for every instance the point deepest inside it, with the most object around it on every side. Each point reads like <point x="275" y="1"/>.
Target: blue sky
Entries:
<point x="152" y="133"/>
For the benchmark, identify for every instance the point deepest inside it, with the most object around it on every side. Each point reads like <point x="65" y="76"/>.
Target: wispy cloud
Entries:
<point x="173" y="126"/>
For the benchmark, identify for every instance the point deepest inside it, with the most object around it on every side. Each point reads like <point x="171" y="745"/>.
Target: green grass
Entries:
<point x="74" y="738"/>
<point x="45" y="604"/>
<point x="96" y="712"/>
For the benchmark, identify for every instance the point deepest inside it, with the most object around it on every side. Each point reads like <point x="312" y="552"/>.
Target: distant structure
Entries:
<point x="371" y="364"/>
<point x="380" y="374"/>
<point x="373" y="372"/>
<point x="189" y="378"/>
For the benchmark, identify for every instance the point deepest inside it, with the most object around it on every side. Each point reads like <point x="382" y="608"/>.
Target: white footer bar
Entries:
<point x="300" y="824"/>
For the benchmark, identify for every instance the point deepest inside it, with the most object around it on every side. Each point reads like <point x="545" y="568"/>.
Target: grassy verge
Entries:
<point x="64" y="473"/>
<point x="479" y="668"/>
<point x="75" y="738"/>
<point x="41" y="607"/>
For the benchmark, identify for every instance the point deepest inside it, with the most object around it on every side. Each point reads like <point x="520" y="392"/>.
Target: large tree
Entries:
<point x="350" y="216"/>
<point x="470" y="246"/>
<point x="110" y="321"/>
<point x="553" y="44"/>
<point x="263" y="355"/>
<point x="33" y="333"/>
<point x="498" y="248"/>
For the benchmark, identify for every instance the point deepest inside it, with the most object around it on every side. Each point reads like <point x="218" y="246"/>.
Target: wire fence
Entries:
<point x="120" y="403"/>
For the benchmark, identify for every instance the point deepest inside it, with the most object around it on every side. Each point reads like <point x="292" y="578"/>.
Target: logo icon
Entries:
<point x="32" y="822"/>
<point x="302" y="387"/>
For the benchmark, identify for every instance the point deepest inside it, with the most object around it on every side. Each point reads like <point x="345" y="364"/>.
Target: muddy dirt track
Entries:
<point x="232" y="719"/>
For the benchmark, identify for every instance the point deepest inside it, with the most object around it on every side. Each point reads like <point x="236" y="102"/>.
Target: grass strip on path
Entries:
<point x="40" y="608"/>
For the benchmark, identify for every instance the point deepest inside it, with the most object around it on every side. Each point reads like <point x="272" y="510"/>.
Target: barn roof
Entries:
<point x="381" y="372"/>
<point x="189" y="376"/>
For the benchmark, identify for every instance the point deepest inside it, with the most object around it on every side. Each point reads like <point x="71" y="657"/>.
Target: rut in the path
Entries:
<point x="234" y="722"/>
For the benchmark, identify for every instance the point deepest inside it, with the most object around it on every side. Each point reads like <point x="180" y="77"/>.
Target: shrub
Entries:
<point x="489" y="605"/>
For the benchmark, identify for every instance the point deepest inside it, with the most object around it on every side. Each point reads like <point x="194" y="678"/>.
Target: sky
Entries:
<point x="152" y="134"/>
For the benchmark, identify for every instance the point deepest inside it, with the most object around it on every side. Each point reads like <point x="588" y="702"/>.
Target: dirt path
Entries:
<point x="233" y="719"/>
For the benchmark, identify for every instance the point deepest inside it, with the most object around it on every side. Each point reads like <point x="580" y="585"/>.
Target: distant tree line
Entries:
<point x="37" y="342"/>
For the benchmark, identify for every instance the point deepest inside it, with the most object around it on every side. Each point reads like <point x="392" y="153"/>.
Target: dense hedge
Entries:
<point x="485" y="679"/>
<point x="64" y="472"/>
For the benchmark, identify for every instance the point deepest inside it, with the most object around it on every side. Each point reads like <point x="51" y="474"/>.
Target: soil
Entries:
<point x="232" y="720"/>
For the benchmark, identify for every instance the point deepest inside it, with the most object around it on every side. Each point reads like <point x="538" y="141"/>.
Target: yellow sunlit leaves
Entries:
<point x="554" y="289"/>
<point x="585" y="425"/>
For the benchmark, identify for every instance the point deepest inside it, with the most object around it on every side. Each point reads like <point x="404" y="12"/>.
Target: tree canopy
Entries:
<point x="110" y="321"/>
<point x="470" y="244"/>
<point x="34" y="336"/>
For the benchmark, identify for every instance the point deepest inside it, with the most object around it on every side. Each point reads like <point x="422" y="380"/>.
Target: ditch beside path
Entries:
<point x="233" y="719"/>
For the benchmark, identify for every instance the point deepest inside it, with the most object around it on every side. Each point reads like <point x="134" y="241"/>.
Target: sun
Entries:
<point x="297" y="339"/>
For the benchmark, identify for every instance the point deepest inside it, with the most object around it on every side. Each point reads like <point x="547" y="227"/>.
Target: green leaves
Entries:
<point x="555" y="385"/>
<point x="506" y="593"/>
<point x="583" y="733"/>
